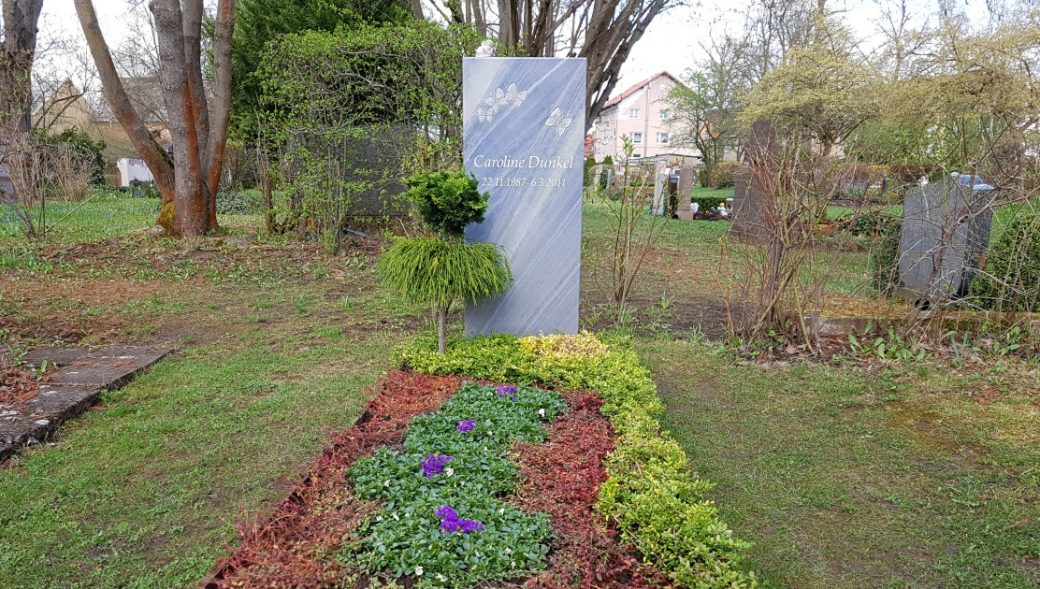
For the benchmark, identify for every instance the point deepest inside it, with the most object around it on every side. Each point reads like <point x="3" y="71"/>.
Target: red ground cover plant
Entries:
<point x="293" y="547"/>
<point x="561" y="477"/>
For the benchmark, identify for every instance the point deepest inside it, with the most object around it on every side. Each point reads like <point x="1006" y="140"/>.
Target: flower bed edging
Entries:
<point x="652" y="494"/>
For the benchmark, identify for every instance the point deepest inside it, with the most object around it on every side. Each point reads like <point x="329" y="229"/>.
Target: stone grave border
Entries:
<point x="81" y="377"/>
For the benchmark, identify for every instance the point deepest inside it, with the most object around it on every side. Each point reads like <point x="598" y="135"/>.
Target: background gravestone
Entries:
<point x="749" y="190"/>
<point x="523" y="129"/>
<point x="945" y="233"/>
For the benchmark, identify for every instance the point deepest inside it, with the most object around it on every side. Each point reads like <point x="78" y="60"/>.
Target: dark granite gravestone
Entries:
<point x="523" y="128"/>
<point x="749" y="191"/>
<point x="945" y="233"/>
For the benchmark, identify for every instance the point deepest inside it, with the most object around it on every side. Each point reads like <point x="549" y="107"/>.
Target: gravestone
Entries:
<point x="946" y="228"/>
<point x="687" y="182"/>
<point x="523" y="129"/>
<point x="749" y="190"/>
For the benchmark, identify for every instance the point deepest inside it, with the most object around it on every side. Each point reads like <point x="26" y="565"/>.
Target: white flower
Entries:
<point x="449" y="471"/>
<point x="441" y="577"/>
<point x="386" y="483"/>
<point x="396" y="518"/>
<point x="502" y="510"/>
<point x="419" y="571"/>
<point x="541" y="413"/>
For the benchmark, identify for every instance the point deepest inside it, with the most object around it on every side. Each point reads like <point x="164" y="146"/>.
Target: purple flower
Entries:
<point x="506" y="391"/>
<point x="446" y="512"/>
<point x="434" y="464"/>
<point x="466" y="425"/>
<point x="470" y="525"/>
<point x="451" y="522"/>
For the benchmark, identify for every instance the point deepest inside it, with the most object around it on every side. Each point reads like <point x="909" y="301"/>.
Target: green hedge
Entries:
<point x="652" y="494"/>
<point x="1011" y="277"/>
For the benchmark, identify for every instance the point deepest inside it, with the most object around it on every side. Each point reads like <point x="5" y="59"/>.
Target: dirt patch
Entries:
<point x="17" y="385"/>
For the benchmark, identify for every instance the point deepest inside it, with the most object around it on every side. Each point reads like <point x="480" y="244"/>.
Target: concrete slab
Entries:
<point x="70" y="391"/>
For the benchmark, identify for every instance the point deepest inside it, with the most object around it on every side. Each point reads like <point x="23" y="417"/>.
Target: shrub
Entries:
<point x="872" y="223"/>
<point x="723" y="175"/>
<point x="652" y="494"/>
<point x="884" y="258"/>
<point x="91" y="153"/>
<point x="707" y="203"/>
<point x="232" y="202"/>
<point x="1011" y="277"/>
<point x="447" y="201"/>
<point x="440" y="272"/>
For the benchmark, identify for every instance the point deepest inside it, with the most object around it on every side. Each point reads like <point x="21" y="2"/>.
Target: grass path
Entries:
<point x="844" y="478"/>
<point x="144" y="492"/>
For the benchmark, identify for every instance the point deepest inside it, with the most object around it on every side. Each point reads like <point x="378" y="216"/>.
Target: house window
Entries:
<point x="637" y="137"/>
<point x="633" y="113"/>
<point x="662" y="138"/>
<point x="665" y="114"/>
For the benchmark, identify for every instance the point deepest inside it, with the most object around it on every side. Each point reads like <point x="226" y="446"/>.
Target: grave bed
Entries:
<point x="560" y="477"/>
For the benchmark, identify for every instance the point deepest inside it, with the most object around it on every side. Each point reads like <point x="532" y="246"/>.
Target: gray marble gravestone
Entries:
<point x="523" y="128"/>
<point x="945" y="233"/>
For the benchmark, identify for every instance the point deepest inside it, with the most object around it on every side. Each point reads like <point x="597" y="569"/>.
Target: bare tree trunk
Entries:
<point x="214" y="154"/>
<point x="16" y="58"/>
<point x="152" y="154"/>
<point x="442" y="329"/>
<point x="190" y="196"/>
<point x="189" y="192"/>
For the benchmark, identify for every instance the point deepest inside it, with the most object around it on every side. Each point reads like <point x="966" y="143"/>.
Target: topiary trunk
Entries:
<point x="442" y="328"/>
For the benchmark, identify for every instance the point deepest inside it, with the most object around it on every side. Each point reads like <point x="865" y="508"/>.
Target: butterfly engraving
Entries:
<point x="559" y="121"/>
<point x="515" y="96"/>
<point x="499" y="99"/>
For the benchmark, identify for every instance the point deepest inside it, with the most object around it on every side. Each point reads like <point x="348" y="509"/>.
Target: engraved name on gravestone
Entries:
<point x="523" y="129"/>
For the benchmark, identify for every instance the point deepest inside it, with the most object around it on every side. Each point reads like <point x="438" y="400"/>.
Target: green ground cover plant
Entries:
<point x="652" y="494"/>
<point x="443" y="519"/>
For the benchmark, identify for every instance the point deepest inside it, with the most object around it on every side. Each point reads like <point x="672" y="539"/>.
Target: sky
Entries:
<point x="672" y="43"/>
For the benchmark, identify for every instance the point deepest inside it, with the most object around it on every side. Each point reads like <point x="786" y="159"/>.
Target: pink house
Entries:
<point x="642" y="113"/>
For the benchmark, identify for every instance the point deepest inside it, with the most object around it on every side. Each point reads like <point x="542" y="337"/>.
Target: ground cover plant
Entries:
<point x="443" y="521"/>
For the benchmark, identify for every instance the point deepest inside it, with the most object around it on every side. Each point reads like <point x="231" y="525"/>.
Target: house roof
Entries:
<point x="636" y="88"/>
<point x="145" y="94"/>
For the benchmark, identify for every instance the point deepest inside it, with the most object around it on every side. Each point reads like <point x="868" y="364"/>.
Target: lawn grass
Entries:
<point x="145" y="493"/>
<point x="848" y="478"/>
<point x="276" y="346"/>
<point x="104" y="213"/>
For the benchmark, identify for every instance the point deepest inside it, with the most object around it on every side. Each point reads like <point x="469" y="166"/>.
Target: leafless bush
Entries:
<point x="637" y="221"/>
<point x="42" y="172"/>
<point x="782" y="280"/>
